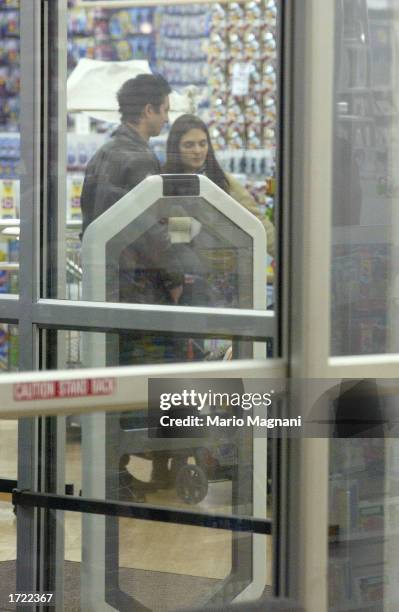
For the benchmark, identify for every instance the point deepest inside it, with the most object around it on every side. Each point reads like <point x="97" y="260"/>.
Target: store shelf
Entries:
<point x="356" y="119"/>
<point x="9" y="265"/>
<point x="363" y="536"/>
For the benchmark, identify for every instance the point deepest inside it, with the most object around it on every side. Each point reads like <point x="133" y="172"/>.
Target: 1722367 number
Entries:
<point x="30" y="598"/>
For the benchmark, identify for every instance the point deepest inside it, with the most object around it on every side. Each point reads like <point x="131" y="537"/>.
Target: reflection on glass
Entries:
<point x="364" y="499"/>
<point x="9" y="347"/>
<point x="151" y="348"/>
<point x="129" y="454"/>
<point x="8" y="534"/>
<point x="358" y="569"/>
<point x="365" y="284"/>
<point x="216" y="68"/>
<point x="9" y="145"/>
<point x="8" y="550"/>
<point x="8" y="471"/>
<point x="215" y="476"/>
<point x="162" y="566"/>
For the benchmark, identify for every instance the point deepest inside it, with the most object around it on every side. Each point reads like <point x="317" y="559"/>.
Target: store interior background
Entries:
<point x="222" y="55"/>
<point x="206" y="50"/>
<point x="198" y="46"/>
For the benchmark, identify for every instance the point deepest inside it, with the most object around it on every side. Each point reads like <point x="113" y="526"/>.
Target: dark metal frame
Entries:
<point x="7" y="485"/>
<point x="146" y="512"/>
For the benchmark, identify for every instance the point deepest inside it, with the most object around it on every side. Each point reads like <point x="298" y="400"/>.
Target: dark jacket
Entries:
<point x="118" y="166"/>
<point x="152" y="266"/>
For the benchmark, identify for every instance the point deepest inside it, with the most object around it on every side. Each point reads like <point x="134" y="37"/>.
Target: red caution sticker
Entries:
<point x="83" y="387"/>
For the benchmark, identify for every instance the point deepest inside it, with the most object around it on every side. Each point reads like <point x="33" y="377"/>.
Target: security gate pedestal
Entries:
<point x="221" y="232"/>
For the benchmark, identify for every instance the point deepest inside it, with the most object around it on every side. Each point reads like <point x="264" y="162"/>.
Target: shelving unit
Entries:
<point x="179" y="42"/>
<point x="9" y="65"/>
<point x="364" y="519"/>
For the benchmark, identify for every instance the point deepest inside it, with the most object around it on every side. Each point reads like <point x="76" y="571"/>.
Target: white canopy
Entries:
<point x="93" y="84"/>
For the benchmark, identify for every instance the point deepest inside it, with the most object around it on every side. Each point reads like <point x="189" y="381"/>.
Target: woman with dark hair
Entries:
<point x="189" y="150"/>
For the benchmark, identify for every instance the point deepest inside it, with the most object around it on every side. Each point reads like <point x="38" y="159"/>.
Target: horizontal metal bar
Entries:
<point x="13" y="222"/>
<point x="127" y="387"/>
<point x="9" y="223"/>
<point x="106" y="316"/>
<point x="7" y="485"/>
<point x="10" y="308"/>
<point x="364" y="366"/>
<point x="144" y="512"/>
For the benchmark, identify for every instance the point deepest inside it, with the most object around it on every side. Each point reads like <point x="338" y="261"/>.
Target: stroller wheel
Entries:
<point x="191" y="484"/>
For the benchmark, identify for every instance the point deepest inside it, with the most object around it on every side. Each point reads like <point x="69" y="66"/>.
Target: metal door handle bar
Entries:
<point x="146" y="512"/>
<point x="7" y="485"/>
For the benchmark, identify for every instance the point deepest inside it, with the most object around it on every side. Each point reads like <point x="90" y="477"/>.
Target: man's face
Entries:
<point x="157" y="118"/>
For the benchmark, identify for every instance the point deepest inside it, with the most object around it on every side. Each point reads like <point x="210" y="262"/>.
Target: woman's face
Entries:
<point x="193" y="150"/>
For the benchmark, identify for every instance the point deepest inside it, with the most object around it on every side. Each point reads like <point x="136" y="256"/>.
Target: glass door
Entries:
<point x="345" y="334"/>
<point x="181" y="268"/>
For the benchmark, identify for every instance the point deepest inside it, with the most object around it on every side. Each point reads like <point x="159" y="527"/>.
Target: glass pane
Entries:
<point x="364" y="288"/>
<point x="8" y="429"/>
<point x="222" y="72"/>
<point x="221" y="474"/>
<point x="78" y="349"/>
<point x="9" y="145"/>
<point x="8" y="471"/>
<point x="357" y="575"/>
<point x="8" y="552"/>
<point x="364" y="497"/>
<point x="225" y="464"/>
<point x="213" y="271"/>
<point x="161" y="566"/>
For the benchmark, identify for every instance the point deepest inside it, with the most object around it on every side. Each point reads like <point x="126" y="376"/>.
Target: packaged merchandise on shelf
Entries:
<point x="9" y="155"/>
<point x="221" y="49"/>
<point x="13" y="342"/>
<point x="371" y="517"/>
<point x="110" y="35"/>
<point x="80" y="149"/>
<point x="9" y="204"/>
<point x="9" y="348"/>
<point x="340" y="582"/>
<point x="9" y="4"/>
<point x="242" y="73"/>
<point x="9" y="174"/>
<point x="9" y="22"/>
<point x="4" y="275"/>
<point x="182" y="44"/>
<point x="4" y="342"/>
<point x="9" y="66"/>
<point x="9" y="198"/>
<point x="74" y="191"/>
<point x="360" y="273"/>
<point x="345" y="504"/>
<point x="371" y="588"/>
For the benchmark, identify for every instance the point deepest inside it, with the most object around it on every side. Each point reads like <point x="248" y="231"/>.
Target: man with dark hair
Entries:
<point x="126" y="158"/>
<point x="148" y="271"/>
